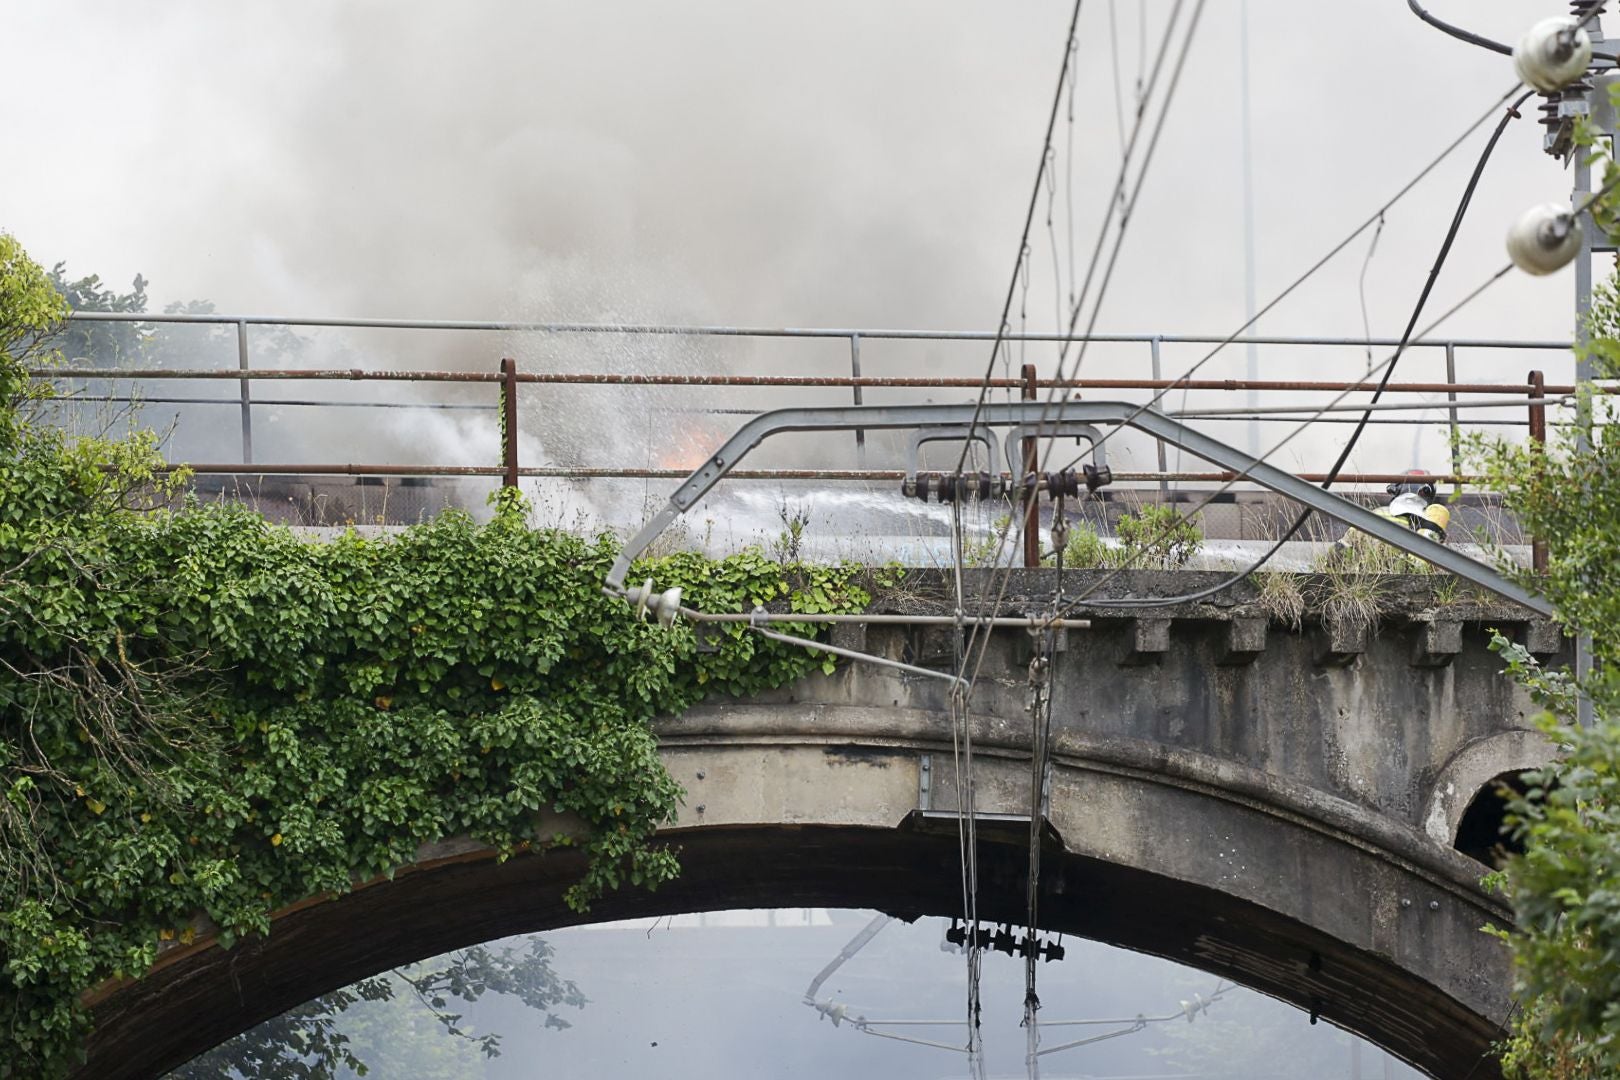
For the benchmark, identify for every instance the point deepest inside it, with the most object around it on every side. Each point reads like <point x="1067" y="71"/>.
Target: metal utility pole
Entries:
<point x="1590" y="241"/>
<point x="1583" y="376"/>
<point x="1589" y="97"/>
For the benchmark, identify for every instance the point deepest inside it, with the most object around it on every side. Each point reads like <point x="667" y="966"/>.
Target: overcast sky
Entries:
<point x="842" y="163"/>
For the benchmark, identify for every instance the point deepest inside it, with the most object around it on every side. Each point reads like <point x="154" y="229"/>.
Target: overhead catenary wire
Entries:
<point x="1458" y="32"/>
<point x="1127" y="207"/>
<point x="960" y="704"/>
<point x="1029" y="213"/>
<point x="1084" y="598"/>
<point x="1041" y="666"/>
<point x="1405" y="340"/>
<point x="1310" y="272"/>
<point x="1487" y="43"/>
<point x="1389" y="368"/>
<point x="1113" y="52"/>
<point x="1116" y="201"/>
<point x="1107" y="220"/>
<point x="960" y="697"/>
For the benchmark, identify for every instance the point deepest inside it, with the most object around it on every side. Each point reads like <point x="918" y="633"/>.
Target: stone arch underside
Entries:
<point x="1298" y="894"/>
<point x="1473" y="768"/>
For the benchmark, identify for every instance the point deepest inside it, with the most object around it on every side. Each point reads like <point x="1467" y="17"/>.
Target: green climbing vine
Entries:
<point x="317" y="711"/>
<point x="205" y="717"/>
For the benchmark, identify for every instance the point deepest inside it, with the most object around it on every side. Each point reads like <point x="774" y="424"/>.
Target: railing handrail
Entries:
<point x="610" y="378"/>
<point x="840" y="333"/>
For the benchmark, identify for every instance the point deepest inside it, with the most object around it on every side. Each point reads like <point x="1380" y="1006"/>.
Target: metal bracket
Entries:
<point x="1053" y="430"/>
<point x="925" y="781"/>
<point x="1156" y="424"/>
<point x="952" y="433"/>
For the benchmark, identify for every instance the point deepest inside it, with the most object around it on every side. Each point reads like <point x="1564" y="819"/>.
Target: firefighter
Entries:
<point x="1415" y="506"/>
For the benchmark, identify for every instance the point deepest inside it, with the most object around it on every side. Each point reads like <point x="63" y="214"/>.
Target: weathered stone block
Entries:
<point x="1436" y="642"/>
<point x="1146" y="640"/>
<point x="849" y="636"/>
<point x="1341" y="641"/>
<point x="1245" y="640"/>
<point x="934" y="645"/>
<point x="1542" y="637"/>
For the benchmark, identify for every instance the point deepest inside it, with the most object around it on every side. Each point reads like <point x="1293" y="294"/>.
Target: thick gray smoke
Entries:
<point x="839" y="164"/>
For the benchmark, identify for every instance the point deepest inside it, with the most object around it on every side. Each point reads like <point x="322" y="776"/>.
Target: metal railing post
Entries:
<point x="855" y="373"/>
<point x="247" y="397"/>
<point x="1538" y="435"/>
<point x="1451" y="395"/>
<point x="1164" y="485"/>
<point x="1032" y="506"/>
<point x="509" y="424"/>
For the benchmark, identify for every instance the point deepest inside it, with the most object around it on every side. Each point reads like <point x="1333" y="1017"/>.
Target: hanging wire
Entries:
<point x="960" y="701"/>
<point x="1051" y="236"/>
<point x="1389" y="367"/>
<point x="1361" y="290"/>
<point x="1120" y="183"/>
<point x="966" y="829"/>
<point x="1388" y="370"/>
<point x="1292" y="287"/>
<point x="1029" y="219"/>
<point x="1119" y="202"/>
<point x="1113" y="52"/>
<point x="1040" y="713"/>
<point x="1406" y="338"/>
<point x="1068" y="167"/>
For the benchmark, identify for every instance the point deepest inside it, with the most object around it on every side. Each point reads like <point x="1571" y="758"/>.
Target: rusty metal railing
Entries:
<point x="509" y="379"/>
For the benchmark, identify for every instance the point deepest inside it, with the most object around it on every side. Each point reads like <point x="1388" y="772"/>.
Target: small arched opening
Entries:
<point x="1482" y="833"/>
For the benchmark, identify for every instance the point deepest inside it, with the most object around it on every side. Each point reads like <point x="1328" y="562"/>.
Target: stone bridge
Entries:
<point x="1285" y="806"/>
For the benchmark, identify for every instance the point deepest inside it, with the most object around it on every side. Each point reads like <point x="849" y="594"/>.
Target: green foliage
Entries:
<point x="30" y="312"/>
<point x="345" y="703"/>
<point x="205" y="718"/>
<point x="1082" y="548"/>
<point x="1152" y="538"/>
<point x="109" y="344"/>
<point x="1567" y="913"/>
<point x="996" y="546"/>
<point x="1157" y="538"/>
<point x="1567" y="917"/>
<point x="376" y="1023"/>
<point x="1281" y="596"/>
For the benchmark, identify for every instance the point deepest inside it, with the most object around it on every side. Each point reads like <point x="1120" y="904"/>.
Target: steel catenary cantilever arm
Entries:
<point x="1154" y="423"/>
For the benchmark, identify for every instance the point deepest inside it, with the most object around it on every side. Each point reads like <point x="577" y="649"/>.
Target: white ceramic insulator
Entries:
<point x="1544" y="239"/>
<point x="1553" y="53"/>
<point x="666" y="606"/>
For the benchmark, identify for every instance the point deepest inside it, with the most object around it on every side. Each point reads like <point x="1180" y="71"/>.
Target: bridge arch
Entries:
<point x="1303" y="895"/>
<point x="1473" y="770"/>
